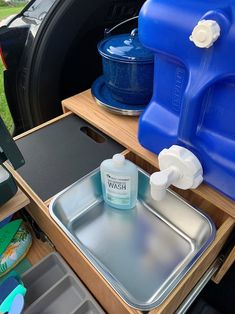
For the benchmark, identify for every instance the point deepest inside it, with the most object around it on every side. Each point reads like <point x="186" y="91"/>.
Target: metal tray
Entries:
<point x="143" y="252"/>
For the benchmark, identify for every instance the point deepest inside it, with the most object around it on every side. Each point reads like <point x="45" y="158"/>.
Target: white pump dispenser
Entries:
<point x="179" y="167"/>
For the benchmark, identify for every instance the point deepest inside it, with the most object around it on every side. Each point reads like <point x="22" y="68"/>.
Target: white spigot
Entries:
<point x="179" y="167"/>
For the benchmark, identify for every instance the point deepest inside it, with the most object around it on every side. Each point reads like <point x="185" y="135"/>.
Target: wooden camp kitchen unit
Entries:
<point x="123" y="129"/>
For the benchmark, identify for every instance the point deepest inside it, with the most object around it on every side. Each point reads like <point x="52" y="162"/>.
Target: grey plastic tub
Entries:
<point x="144" y="252"/>
<point x="52" y="288"/>
<point x="87" y="308"/>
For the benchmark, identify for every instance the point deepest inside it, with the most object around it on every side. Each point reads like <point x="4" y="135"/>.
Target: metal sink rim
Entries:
<point x="101" y="269"/>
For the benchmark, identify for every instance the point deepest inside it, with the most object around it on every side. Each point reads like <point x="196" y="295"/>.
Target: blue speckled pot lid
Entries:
<point x="125" y="47"/>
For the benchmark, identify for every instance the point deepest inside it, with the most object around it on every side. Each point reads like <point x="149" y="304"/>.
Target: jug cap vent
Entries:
<point x="205" y="33"/>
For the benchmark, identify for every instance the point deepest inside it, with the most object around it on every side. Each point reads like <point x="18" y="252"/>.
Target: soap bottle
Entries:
<point x="119" y="178"/>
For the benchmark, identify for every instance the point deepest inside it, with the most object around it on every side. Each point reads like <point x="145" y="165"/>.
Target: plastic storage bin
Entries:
<point x="53" y="288"/>
<point x="194" y="88"/>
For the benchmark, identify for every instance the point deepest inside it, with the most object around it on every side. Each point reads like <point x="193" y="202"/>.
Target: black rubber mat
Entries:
<point x="61" y="153"/>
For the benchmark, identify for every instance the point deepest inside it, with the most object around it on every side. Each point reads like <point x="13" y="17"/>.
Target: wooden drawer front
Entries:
<point x="225" y="267"/>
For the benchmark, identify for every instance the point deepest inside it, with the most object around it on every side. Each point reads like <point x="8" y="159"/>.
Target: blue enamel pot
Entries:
<point x="127" y="68"/>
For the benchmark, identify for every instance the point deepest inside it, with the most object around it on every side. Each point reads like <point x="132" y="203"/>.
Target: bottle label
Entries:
<point x="117" y="189"/>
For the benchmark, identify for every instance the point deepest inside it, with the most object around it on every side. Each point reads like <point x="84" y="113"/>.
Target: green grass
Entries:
<point x="4" y="111"/>
<point x="6" y="11"/>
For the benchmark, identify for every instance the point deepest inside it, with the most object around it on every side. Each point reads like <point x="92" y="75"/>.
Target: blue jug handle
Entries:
<point x="192" y="106"/>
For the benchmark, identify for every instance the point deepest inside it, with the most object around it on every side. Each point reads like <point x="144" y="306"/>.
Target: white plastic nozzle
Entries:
<point x="118" y="159"/>
<point x="161" y="180"/>
<point x="179" y="167"/>
<point x="205" y="33"/>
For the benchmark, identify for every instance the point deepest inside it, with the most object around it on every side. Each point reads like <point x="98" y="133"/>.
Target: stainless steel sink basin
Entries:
<point x="144" y="252"/>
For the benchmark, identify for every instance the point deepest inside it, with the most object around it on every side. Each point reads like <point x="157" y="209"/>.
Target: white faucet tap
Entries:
<point x="179" y="167"/>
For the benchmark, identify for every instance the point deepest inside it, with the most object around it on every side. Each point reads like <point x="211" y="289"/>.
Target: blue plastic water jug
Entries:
<point x="193" y="102"/>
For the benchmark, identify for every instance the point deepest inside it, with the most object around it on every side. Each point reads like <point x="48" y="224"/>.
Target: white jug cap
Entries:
<point x="205" y="33"/>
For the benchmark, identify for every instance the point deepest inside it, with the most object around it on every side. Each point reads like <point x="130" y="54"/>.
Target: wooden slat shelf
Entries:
<point x="17" y="202"/>
<point x="38" y="250"/>
<point x="124" y="130"/>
